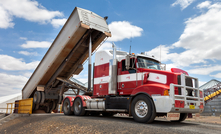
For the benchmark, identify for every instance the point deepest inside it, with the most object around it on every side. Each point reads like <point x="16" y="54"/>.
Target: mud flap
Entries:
<point x="173" y="116"/>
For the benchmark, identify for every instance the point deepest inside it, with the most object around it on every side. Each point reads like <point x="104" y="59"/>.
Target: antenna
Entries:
<point x="130" y="43"/>
<point x="160" y="53"/>
<point x="130" y="50"/>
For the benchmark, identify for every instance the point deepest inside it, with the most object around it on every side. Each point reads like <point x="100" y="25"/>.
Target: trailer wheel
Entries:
<point x="66" y="107"/>
<point x="79" y="110"/>
<point x="42" y="97"/>
<point x="36" y="106"/>
<point x="37" y="97"/>
<point x="143" y="109"/>
<point x="182" y="117"/>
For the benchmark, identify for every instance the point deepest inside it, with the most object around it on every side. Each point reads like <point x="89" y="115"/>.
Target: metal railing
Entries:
<point x="23" y="106"/>
<point x="183" y="96"/>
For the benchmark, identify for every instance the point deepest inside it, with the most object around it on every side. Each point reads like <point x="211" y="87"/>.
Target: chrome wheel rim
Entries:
<point x="141" y="108"/>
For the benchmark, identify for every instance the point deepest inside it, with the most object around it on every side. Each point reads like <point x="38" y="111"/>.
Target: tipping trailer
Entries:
<point x="82" y="31"/>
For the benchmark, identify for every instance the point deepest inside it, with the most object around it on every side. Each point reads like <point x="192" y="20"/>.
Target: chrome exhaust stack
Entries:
<point x="112" y="88"/>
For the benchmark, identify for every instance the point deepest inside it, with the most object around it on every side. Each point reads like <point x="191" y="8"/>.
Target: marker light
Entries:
<point x="166" y="93"/>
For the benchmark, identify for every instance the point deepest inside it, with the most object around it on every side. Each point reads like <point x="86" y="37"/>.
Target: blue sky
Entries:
<point x="186" y="31"/>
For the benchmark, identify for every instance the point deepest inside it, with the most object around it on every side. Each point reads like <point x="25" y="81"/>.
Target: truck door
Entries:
<point x="127" y="79"/>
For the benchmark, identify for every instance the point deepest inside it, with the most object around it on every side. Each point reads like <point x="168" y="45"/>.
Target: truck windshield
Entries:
<point x="148" y="63"/>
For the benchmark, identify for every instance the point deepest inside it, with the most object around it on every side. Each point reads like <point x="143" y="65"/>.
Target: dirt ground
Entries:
<point x="206" y="119"/>
<point x="58" y="123"/>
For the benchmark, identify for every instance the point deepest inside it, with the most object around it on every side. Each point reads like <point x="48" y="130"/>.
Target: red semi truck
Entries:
<point x="139" y="86"/>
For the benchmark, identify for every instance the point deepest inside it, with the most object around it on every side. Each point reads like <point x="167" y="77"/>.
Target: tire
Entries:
<point x="50" y="107"/>
<point x="42" y="97"/>
<point x="37" y="97"/>
<point x="66" y="107"/>
<point x="145" y="115"/>
<point x="33" y="106"/>
<point x="36" y="106"/>
<point x="47" y="109"/>
<point x="182" y="117"/>
<point x="79" y="110"/>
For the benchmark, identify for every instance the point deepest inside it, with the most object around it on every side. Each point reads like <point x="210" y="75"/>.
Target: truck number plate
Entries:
<point x="192" y="107"/>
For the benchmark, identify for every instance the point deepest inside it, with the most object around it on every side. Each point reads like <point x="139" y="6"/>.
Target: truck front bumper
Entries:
<point x="165" y="104"/>
<point x="180" y="103"/>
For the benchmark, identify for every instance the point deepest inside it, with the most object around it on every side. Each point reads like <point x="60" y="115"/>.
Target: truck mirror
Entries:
<point x="127" y="62"/>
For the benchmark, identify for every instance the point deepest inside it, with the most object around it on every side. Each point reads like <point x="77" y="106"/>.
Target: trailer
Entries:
<point x="82" y="31"/>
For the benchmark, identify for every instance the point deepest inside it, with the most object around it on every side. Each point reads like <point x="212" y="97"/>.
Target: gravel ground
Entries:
<point x="58" y="123"/>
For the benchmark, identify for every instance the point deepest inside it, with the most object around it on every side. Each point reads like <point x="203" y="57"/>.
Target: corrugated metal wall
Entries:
<point x="213" y="106"/>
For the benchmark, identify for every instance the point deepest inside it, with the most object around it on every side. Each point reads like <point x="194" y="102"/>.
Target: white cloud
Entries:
<point x="23" y="38"/>
<point x="183" y="3"/>
<point x="5" y="19"/>
<point x="27" y="74"/>
<point x="29" y="10"/>
<point x="1" y="50"/>
<point x="36" y="44"/>
<point x="121" y="30"/>
<point x="106" y="46"/>
<point x="205" y="70"/>
<point x="162" y="53"/>
<point x="58" y="22"/>
<point x="11" y="63"/>
<point x="218" y="75"/>
<point x="11" y="84"/>
<point x="201" y="83"/>
<point x="204" y="4"/>
<point x="201" y="37"/>
<point x="28" y="53"/>
<point x="200" y="40"/>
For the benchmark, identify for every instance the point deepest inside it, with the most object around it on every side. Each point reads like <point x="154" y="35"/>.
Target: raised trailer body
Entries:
<point x="67" y="53"/>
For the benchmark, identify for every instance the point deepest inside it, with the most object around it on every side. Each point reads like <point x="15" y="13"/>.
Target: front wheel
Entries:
<point x="79" y="110"/>
<point x="143" y="109"/>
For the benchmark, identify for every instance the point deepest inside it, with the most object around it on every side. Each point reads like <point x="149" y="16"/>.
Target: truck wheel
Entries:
<point x="182" y="117"/>
<point x="36" y="106"/>
<point x="37" y="97"/>
<point x="79" y="110"/>
<point x="42" y="97"/>
<point x="143" y="109"/>
<point x="66" y="107"/>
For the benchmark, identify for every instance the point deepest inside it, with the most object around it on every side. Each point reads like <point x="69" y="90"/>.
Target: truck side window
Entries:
<point x="132" y="66"/>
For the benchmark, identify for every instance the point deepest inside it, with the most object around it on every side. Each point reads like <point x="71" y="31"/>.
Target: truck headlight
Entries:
<point x="193" y="93"/>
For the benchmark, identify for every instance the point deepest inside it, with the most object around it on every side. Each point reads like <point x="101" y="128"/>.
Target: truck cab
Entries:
<point x="139" y="85"/>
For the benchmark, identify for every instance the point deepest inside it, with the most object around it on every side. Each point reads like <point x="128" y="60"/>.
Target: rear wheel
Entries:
<point x="79" y="110"/>
<point x="42" y="97"/>
<point x="143" y="109"/>
<point x="67" y="107"/>
<point x="37" y="97"/>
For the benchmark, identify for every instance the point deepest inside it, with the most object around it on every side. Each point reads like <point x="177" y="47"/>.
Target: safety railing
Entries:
<point x="183" y="96"/>
<point x="25" y="106"/>
<point x="21" y="106"/>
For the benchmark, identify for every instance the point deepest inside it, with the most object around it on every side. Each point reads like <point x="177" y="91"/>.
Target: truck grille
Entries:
<point x="188" y="82"/>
